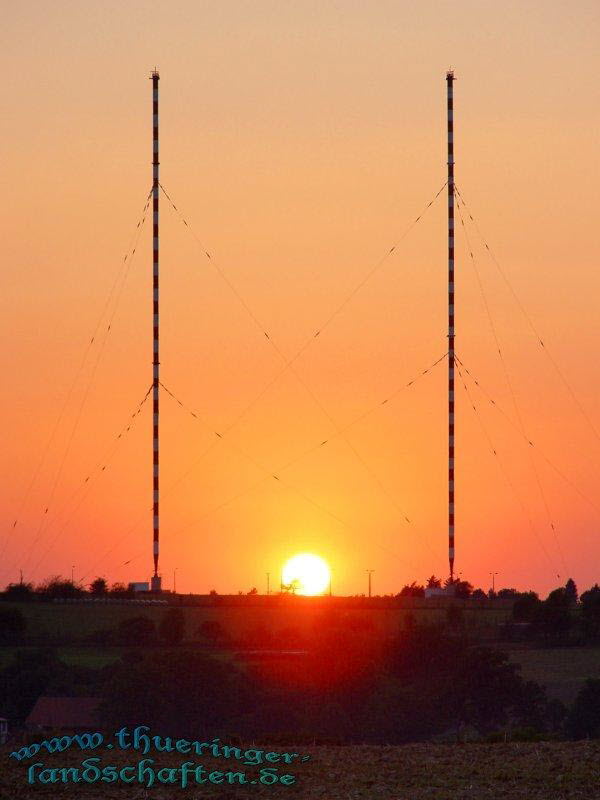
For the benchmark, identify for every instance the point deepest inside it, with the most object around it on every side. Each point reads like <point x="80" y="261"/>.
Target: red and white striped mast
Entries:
<point x="450" y="81"/>
<point x="156" y="581"/>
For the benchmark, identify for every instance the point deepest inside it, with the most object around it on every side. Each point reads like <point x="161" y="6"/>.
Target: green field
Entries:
<point x="544" y="771"/>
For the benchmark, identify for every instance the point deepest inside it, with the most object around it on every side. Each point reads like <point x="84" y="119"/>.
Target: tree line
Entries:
<point x="426" y="683"/>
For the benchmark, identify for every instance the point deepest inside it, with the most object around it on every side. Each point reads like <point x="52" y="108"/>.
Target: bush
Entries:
<point x="583" y="720"/>
<point x="553" y="619"/>
<point x="590" y="614"/>
<point x="40" y="672"/>
<point x="526" y="607"/>
<point x="12" y="626"/>
<point x="19" y="592"/>
<point x="58" y="587"/>
<point x="412" y="590"/>
<point x="99" y="587"/>
<point x="448" y="684"/>
<point x="182" y="692"/>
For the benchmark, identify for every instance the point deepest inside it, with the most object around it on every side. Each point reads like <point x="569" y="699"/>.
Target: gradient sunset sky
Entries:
<point x="300" y="140"/>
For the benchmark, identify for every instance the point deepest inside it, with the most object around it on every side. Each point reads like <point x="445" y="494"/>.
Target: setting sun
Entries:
<point x="306" y="574"/>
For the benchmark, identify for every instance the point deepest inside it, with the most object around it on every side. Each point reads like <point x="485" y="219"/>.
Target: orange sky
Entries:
<point x="299" y="140"/>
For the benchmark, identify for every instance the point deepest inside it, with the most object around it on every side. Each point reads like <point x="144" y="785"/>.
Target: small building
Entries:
<point x="440" y="592"/>
<point x="139" y="586"/>
<point x="68" y="713"/>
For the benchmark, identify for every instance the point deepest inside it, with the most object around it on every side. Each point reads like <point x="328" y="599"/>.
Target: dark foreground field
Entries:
<point x="542" y="771"/>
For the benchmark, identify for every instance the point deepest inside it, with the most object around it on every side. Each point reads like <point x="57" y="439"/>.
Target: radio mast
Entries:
<point x="156" y="581"/>
<point x="450" y="81"/>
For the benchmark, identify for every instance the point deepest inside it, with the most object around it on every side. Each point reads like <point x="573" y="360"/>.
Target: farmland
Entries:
<point x="237" y="616"/>
<point x="562" y="670"/>
<point x="441" y="768"/>
<point x="537" y="771"/>
<point x="286" y="621"/>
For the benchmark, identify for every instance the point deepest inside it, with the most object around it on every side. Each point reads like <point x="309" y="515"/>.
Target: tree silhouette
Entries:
<point x="412" y="590"/>
<point x="590" y="614"/>
<point x="12" y="626"/>
<point x="526" y="607"/>
<point x="583" y="721"/>
<point x="571" y="591"/>
<point x="19" y="591"/>
<point x="99" y="586"/>
<point x="553" y="619"/>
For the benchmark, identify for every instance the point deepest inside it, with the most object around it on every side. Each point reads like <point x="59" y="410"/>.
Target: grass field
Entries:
<point x="562" y="670"/>
<point x="544" y="771"/>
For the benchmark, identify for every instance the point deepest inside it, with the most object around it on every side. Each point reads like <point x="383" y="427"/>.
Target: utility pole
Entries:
<point x="450" y="81"/>
<point x="268" y="583"/>
<point x="175" y="580"/>
<point x="493" y="574"/>
<point x="156" y="581"/>
<point x="369" y="573"/>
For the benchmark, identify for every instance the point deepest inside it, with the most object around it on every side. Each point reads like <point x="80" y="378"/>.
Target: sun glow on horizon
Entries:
<point x="307" y="574"/>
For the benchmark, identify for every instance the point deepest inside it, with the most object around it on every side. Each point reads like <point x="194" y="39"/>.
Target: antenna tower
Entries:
<point x="156" y="581"/>
<point x="450" y="82"/>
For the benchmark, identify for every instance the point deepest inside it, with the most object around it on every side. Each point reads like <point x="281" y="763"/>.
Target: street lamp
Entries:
<point x="493" y="574"/>
<point x="369" y="573"/>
